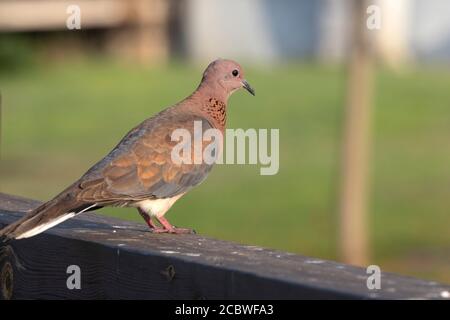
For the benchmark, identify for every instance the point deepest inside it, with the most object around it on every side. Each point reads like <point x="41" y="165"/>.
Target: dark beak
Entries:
<point x="248" y="87"/>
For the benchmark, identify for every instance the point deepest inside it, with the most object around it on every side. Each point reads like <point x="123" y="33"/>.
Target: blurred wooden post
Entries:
<point x="353" y="240"/>
<point x="144" y="38"/>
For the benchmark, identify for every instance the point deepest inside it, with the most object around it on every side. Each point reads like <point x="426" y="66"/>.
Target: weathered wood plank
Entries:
<point x="121" y="259"/>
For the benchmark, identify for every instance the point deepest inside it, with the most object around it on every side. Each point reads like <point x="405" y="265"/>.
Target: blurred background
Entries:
<point x="363" y="113"/>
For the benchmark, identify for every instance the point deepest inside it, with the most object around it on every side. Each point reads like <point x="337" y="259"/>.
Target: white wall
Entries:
<point x="429" y="27"/>
<point x="270" y="30"/>
<point x="262" y="30"/>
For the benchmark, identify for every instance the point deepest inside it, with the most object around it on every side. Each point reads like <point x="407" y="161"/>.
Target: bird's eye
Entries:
<point x="235" y="73"/>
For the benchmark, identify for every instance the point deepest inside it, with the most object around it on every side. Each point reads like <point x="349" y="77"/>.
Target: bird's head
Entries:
<point x="226" y="75"/>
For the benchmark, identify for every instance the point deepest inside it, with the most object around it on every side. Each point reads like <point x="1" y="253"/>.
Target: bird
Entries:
<point x="139" y="171"/>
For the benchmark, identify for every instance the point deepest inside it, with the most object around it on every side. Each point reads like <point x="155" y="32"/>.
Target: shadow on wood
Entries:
<point x="123" y="260"/>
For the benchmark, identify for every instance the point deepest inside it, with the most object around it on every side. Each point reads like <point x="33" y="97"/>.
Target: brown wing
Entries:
<point x="141" y="166"/>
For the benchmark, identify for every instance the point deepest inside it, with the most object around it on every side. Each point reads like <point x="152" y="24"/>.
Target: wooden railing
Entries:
<point x="140" y="26"/>
<point x="95" y="257"/>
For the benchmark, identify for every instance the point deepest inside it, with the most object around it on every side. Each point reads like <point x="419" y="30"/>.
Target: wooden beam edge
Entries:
<point x="289" y="275"/>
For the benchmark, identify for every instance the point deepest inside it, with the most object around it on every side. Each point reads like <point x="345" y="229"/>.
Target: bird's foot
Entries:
<point x="165" y="227"/>
<point x="172" y="229"/>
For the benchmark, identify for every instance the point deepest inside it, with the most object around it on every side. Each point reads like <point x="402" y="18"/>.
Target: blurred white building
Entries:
<point x="268" y="30"/>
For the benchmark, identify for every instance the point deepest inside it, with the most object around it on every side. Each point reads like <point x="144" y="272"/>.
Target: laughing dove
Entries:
<point x="139" y="171"/>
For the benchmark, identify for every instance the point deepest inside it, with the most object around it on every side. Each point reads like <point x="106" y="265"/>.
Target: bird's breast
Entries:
<point x="157" y="207"/>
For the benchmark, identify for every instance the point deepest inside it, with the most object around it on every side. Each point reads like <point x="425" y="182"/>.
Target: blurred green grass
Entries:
<point x="58" y="120"/>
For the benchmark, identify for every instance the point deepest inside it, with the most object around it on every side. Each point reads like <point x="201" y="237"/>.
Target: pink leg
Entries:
<point x="171" y="229"/>
<point x="149" y="221"/>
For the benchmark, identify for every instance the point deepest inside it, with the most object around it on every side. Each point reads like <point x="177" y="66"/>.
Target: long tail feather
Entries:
<point x="43" y="217"/>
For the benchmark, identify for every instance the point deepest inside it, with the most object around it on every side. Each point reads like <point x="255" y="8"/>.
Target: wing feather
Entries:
<point x="141" y="167"/>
